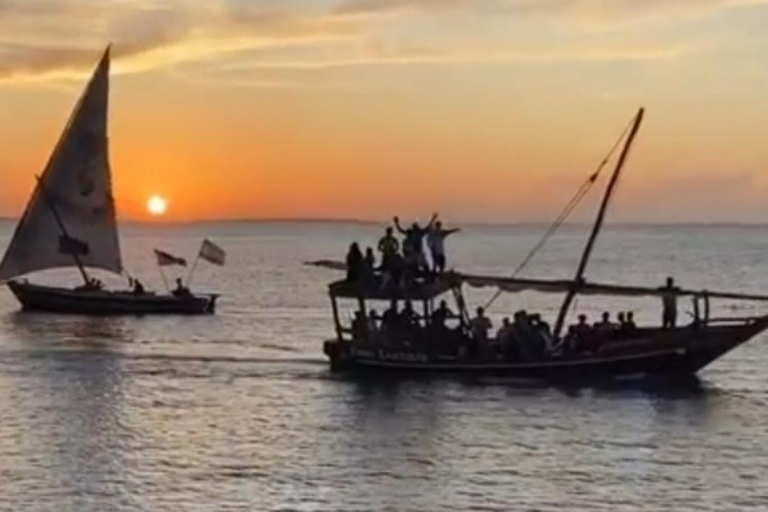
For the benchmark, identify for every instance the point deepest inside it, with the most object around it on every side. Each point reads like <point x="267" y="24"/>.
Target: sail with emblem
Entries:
<point x="70" y="218"/>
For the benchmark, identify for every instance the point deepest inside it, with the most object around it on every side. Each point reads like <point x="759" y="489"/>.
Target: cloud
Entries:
<point x="150" y="34"/>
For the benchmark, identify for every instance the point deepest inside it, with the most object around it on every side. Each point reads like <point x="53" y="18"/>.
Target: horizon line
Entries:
<point x="350" y="220"/>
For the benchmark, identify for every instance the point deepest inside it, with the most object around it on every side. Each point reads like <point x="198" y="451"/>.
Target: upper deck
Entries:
<point x="422" y="288"/>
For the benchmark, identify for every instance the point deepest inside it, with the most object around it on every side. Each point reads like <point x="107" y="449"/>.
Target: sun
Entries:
<point x="157" y="205"/>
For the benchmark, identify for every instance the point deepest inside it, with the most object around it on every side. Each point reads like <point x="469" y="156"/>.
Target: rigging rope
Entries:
<point x="565" y="212"/>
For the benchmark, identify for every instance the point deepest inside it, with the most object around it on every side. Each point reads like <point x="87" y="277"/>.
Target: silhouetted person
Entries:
<point x="180" y="290"/>
<point x="388" y="247"/>
<point x="605" y="326"/>
<point x="480" y="325"/>
<point x="441" y="315"/>
<point x="630" y="323"/>
<point x="138" y="288"/>
<point x="669" y="305"/>
<point x="369" y="263"/>
<point x="581" y="334"/>
<point x="542" y="331"/>
<point x="389" y="318"/>
<point x="413" y="243"/>
<point x="354" y="263"/>
<point x="436" y="242"/>
<point x="372" y="319"/>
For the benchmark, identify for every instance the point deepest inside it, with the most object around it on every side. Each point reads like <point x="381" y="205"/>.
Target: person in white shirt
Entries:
<point x="436" y="242"/>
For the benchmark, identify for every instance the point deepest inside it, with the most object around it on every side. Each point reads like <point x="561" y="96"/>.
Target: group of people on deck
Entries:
<point x="401" y="261"/>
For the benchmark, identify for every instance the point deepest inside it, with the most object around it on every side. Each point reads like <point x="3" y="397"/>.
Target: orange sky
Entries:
<point x="488" y="110"/>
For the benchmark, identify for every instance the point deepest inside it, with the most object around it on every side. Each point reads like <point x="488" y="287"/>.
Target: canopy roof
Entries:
<point x="514" y="285"/>
<point x="419" y="290"/>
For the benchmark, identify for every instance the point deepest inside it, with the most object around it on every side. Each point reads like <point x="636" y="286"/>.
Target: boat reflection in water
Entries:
<point x="418" y="341"/>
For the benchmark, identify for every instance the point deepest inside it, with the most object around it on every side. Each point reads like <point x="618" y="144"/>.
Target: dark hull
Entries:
<point x="673" y="353"/>
<point x="100" y="302"/>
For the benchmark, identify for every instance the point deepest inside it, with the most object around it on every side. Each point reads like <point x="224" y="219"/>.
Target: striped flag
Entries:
<point x="165" y="259"/>
<point x="212" y="253"/>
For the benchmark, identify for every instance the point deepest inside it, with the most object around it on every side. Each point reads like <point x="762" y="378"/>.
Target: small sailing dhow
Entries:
<point x="420" y="338"/>
<point x="70" y="221"/>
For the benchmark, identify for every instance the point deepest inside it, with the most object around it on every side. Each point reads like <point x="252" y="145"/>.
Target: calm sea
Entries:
<point x="238" y="411"/>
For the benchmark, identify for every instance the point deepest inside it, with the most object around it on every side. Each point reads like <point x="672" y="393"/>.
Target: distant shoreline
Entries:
<point x="367" y="222"/>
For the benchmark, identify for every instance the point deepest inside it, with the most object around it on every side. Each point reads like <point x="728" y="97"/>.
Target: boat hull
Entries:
<point x="101" y="302"/>
<point x="673" y="353"/>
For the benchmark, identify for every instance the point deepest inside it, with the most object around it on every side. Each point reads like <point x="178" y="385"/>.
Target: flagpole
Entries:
<point x="162" y="274"/>
<point x="192" y="269"/>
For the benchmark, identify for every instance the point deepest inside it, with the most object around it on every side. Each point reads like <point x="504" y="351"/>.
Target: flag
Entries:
<point x="165" y="259"/>
<point x="212" y="253"/>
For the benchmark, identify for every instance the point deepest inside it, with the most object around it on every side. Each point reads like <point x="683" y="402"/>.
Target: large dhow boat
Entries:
<point x="426" y="346"/>
<point x="70" y="221"/>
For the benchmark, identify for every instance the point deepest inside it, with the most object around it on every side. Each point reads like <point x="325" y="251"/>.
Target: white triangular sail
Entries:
<point x="70" y="218"/>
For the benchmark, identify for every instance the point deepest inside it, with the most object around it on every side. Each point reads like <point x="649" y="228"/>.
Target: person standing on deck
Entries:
<point x="413" y="243"/>
<point x="436" y="242"/>
<point x="354" y="263"/>
<point x="669" y="305"/>
<point x="388" y="247"/>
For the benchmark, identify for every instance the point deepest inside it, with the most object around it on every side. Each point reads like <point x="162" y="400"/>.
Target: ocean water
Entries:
<point x="239" y="411"/>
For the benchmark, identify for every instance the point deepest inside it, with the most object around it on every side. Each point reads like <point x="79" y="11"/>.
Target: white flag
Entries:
<point x="212" y="253"/>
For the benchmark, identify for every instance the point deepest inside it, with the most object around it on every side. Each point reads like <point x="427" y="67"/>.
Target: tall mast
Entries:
<point x="577" y="280"/>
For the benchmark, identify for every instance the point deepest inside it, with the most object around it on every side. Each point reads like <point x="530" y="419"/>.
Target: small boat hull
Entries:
<point x="101" y="302"/>
<point x="674" y="353"/>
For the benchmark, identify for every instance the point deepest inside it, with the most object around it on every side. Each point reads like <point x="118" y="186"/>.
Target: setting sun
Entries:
<point x="157" y="205"/>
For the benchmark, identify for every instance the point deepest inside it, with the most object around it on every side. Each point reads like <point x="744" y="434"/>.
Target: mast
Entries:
<point x="62" y="228"/>
<point x="578" y="278"/>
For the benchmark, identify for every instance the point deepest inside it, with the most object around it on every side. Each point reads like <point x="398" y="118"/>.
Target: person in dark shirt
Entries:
<point x="413" y="243"/>
<point x="441" y="315"/>
<point x="354" y="263"/>
<point x="388" y="247"/>
<point x="180" y="290"/>
<point x="669" y="305"/>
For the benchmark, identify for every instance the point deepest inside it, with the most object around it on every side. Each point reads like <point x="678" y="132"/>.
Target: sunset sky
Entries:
<point x="484" y="110"/>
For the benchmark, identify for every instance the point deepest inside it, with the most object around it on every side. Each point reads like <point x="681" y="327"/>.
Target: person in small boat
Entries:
<point x="669" y="304"/>
<point x="621" y="319"/>
<point x="436" y="243"/>
<point x="413" y="243"/>
<point x="180" y="290"/>
<point x="138" y="288"/>
<point x="354" y="263"/>
<point x="388" y="247"/>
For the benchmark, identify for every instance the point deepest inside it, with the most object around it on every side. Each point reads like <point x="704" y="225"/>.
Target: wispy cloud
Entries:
<point x="149" y="34"/>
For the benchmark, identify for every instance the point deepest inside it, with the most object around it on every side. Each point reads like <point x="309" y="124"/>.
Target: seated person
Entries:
<point x="441" y="315"/>
<point x="629" y="324"/>
<point x="138" y="288"/>
<point x="582" y="335"/>
<point x="180" y="291"/>
<point x="359" y="327"/>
